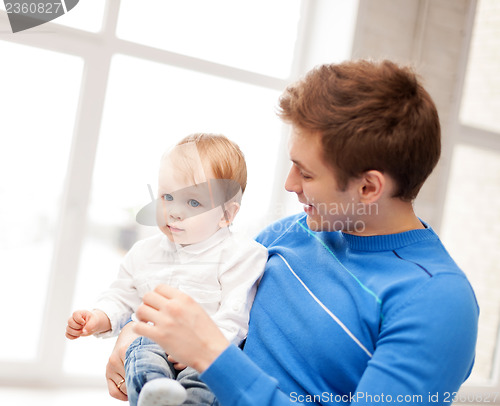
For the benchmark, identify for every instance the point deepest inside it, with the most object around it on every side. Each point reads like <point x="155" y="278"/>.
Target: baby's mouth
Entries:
<point x="174" y="229"/>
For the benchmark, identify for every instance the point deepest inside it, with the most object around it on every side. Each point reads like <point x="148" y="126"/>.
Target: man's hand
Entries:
<point x="177" y="365"/>
<point x="84" y="323"/>
<point x="115" y="370"/>
<point x="181" y="326"/>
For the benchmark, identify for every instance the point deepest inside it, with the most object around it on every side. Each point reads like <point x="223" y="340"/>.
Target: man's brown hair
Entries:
<point x="370" y="116"/>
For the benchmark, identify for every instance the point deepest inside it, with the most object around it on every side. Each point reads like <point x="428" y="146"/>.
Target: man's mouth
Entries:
<point x="308" y="208"/>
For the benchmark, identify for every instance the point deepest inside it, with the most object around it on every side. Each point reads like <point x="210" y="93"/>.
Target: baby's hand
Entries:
<point x="83" y="323"/>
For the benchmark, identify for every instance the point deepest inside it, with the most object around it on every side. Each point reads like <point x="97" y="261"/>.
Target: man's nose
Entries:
<point x="292" y="183"/>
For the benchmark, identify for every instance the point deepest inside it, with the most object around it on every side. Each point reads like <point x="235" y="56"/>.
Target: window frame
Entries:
<point x="97" y="50"/>
<point x="489" y="140"/>
<point x="460" y="133"/>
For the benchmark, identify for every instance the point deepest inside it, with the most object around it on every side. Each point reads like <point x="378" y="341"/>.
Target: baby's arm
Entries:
<point x="238" y="283"/>
<point x="84" y="323"/>
<point x="115" y="305"/>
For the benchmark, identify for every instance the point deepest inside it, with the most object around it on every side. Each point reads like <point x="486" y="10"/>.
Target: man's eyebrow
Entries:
<point x="297" y="163"/>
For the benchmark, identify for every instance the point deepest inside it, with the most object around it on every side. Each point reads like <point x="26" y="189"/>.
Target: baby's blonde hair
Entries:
<point x="221" y="155"/>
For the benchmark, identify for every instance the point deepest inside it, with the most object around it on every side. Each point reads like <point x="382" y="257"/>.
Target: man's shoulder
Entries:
<point x="432" y="256"/>
<point x="426" y="273"/>
<point x="280" y="227"/>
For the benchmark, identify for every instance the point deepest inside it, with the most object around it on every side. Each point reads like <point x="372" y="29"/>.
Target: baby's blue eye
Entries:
<point x="168" y="197"/>
<point x="193" y="203"/>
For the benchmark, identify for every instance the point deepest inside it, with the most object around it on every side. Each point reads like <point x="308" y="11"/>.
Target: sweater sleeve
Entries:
<point x="237" y="381"/>
<point x="425" y="350"/>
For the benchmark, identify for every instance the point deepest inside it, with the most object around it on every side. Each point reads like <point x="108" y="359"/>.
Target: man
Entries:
<point x="360" y="302"/>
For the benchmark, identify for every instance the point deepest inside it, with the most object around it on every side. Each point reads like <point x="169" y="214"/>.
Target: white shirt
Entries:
<point x="220" y="273"/>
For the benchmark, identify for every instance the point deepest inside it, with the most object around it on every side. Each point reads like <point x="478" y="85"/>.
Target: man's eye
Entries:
<point x="167" y="197"/>
<point x="305" y="176"/>
<point x="193" y="203"/>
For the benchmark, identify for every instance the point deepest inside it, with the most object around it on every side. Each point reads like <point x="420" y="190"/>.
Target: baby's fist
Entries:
<point x="81" y="323"/>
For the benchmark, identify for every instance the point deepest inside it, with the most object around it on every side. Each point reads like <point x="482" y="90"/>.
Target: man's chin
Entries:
<point x="315" y="224"/>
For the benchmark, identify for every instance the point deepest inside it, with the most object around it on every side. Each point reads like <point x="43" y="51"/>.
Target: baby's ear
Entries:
<point x="230" y="211"/>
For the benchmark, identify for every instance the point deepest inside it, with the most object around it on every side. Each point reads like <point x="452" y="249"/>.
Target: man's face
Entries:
<point x="328" y="207"/>
<point x="186" y="213"/>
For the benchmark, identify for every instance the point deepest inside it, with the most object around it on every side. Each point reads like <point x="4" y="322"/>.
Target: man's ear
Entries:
<point x="230" y="211"/>
<point x="373" y="185"/>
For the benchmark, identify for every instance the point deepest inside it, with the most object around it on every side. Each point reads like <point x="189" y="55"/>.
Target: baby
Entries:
<point x="200" y="185"/>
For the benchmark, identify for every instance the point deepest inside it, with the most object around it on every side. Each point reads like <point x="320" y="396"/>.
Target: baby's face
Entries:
<point x="185" y="212"/>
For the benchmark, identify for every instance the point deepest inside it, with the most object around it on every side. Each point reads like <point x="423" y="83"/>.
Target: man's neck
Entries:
<point x="393" y="216"/>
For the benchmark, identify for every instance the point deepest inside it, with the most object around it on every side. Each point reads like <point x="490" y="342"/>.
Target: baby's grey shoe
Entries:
<point x="162" y="392"/>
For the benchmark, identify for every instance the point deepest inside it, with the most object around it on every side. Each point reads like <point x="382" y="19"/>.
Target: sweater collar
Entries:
<point x="384" y="242"/>
<point x="389" y="242"/>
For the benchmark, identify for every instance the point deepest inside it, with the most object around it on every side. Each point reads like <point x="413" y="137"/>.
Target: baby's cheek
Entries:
<point x="161" y="214"/>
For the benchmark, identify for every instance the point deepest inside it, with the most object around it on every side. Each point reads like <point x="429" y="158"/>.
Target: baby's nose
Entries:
<point x="176" y="211"/>
<point x="175" y="215"/>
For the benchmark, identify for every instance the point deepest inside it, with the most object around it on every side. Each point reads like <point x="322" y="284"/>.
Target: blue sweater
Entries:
<point x="347" y="319"/>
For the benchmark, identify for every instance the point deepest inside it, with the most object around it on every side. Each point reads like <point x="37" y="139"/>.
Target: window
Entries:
<point x="259" y="36"/>
<point x="133" y="136"/>
<point x="87" y="17"/>
<point x="90" y="102"/>
<point x="481" y="95"/>
<point x="472" y="232"/>
<point x="36" y="139"/>
<point x="471" y="216"/>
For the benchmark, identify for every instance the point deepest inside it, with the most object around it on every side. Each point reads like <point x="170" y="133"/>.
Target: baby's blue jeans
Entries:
<point x="145" y="360"/>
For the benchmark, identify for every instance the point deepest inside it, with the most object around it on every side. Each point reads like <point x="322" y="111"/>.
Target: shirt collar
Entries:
<point x="198" y="248"/>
